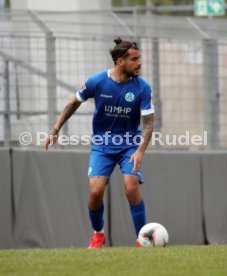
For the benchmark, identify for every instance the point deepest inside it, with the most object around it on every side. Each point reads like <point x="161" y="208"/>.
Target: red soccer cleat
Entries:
<point x="97" y="241"/>
<point x="138" y="244"/>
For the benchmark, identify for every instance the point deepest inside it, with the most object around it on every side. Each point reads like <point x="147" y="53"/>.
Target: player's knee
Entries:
<point x="96" y="192"/>
<point x="131" y="190"/>
<point x="131" y="185"/>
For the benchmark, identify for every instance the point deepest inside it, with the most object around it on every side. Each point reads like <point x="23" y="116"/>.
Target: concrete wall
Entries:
<point x="43" y="199"/>
<point x="6" y="204"/>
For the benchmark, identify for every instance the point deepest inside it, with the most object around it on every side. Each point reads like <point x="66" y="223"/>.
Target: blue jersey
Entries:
<point x="118" y="106"/>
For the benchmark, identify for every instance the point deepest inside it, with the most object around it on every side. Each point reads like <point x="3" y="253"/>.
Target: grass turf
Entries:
<point x="173" y="260"/>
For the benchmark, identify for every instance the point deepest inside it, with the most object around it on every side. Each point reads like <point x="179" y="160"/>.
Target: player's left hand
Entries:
<point x="136" y="157"/>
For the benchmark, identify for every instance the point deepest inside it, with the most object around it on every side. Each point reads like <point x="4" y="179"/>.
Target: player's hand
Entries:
<point x="52" y="138"/>
<point x="137" y="159"/>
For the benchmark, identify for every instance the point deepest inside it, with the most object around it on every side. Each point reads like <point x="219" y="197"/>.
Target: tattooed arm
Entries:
<point x="148" y="124"/>
<point x="68" y="111"/>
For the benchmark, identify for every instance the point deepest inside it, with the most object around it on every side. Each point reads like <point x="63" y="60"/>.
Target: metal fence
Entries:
<point x="46" y="56"/>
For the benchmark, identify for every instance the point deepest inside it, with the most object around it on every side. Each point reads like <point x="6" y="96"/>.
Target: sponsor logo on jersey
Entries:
<point x="106" y="96"/>
<point x="129" y="97"/>
<point x="117" y="109"/>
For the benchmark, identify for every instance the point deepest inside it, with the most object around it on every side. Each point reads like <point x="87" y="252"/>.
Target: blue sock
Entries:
<point x="96" y="218"/>
<point x="138" y="215"/>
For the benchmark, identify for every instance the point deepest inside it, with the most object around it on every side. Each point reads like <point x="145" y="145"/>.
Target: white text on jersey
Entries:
<point x="117" y="109"/>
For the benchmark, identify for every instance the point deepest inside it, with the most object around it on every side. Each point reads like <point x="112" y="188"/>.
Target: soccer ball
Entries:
<point x="153" y="235"/>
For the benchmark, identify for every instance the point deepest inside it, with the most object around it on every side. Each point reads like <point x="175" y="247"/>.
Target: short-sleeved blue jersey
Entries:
<point x="118" y="106"/>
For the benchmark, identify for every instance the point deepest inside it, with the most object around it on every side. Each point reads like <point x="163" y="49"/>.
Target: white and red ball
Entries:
<point x="153" y="235"/>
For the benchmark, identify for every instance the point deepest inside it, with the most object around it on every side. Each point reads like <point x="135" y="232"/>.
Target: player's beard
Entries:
<point x="130" y="73"/>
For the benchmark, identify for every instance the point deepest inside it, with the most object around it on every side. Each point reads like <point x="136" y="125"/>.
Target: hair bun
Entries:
<point x="118" y="40"/>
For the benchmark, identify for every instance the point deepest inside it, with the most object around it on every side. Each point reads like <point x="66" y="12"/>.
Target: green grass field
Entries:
<point x="173" y="260"/>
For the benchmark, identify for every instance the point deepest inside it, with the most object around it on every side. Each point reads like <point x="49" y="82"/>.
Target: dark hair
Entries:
<point x="121" y="49"/>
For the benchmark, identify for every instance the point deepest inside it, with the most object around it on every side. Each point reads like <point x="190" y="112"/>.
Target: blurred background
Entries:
<point x="47" y="51"/>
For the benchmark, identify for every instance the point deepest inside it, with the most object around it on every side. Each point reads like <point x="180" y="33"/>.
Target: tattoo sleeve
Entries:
<point x="148" y="124"/>
<point x="70" y="108"/>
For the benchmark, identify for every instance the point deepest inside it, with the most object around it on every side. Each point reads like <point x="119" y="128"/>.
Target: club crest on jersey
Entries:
<point x="129" y="97"/>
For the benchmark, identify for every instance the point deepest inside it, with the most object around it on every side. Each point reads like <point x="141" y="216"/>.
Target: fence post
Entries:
<point x="135" y="23"/>
<point x="211" y="92"/>
<point x="7" y="131"/>
<point x="50" y="67"/>
<point x="51" y="78"/>
<point x="156" y="84"/>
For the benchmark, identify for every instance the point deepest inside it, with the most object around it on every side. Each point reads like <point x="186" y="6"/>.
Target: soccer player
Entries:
<point x="121" y="98"/>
